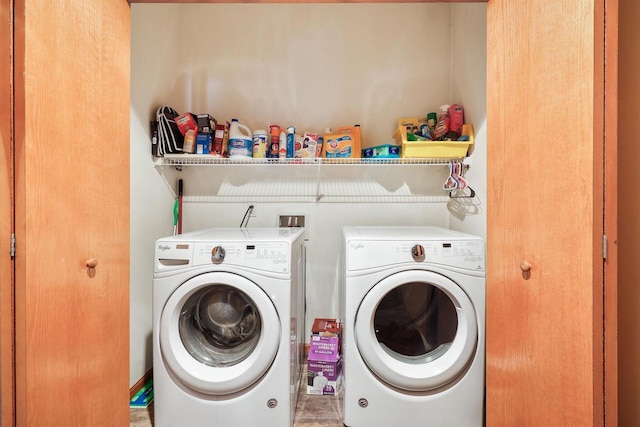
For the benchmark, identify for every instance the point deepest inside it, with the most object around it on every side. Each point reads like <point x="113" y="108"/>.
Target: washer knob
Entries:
<point x="417" y="252"/>
<point x="217" y="255"/>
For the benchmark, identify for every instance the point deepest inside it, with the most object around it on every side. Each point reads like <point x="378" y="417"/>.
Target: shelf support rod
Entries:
<point x="166" y="182"/>
<point x="318" y="196"/>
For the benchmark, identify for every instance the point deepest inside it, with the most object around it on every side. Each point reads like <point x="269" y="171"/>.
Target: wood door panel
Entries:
<point x="542" y="198"/>
<point x="627" y="109"/>
<point x="73" y="205"/>
<point x="6" y="215"/>
<point x="306" y="1"/>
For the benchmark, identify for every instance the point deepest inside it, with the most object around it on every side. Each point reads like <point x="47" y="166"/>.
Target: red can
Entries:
<point x="217" y="148"/>
<point x="273" y="150"/>
<point x="456" y="119"/>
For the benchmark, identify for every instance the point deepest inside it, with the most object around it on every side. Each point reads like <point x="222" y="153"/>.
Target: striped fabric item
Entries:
<point x="170" y="140"/>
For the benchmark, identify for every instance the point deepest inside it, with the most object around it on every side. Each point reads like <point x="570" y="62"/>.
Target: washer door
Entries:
<point x="213" y="333"/>
<point x="416" y="330"/>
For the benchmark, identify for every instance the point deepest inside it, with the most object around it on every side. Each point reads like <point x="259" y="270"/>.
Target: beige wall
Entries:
<point x="311" y="66"/>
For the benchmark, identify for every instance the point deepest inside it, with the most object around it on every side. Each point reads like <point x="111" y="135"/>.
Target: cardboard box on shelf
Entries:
<point x="324" y="326"/>
<point x="186" y="122"/>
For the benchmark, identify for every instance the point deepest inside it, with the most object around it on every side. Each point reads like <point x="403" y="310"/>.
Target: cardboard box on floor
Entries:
<point x="324" y="363"/>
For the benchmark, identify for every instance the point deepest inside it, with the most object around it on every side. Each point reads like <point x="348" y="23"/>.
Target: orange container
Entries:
<point x="344" y="143"/>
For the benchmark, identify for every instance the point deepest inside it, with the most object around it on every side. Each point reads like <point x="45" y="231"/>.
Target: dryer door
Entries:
<point x="219" y="333"/>
<point x="416" y="330"/>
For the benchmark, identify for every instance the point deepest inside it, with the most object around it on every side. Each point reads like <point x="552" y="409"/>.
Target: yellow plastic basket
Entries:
<point x="435" y="149"/>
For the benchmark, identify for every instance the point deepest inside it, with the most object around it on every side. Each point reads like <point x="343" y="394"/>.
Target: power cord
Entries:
<point x="246" y="216"/>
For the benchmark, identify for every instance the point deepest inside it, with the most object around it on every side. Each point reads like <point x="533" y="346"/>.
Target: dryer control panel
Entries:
<point x="464" y="254"/>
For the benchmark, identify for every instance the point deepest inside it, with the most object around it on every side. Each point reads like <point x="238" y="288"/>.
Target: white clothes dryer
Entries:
<point x="228" y="327"/>
<point x="413" y="332"/>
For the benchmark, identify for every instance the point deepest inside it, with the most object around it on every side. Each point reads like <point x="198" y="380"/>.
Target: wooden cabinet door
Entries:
<point x="627" y="109"/>
<point x="6" y="215"/>
<point x="545" y="189"/>
<point x="72" y="213"/>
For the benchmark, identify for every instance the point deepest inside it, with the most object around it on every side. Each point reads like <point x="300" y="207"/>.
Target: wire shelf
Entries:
<point x="317" y="180"/>
<point x="205" y="160"/>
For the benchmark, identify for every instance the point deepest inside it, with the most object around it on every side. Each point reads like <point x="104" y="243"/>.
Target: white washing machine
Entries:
<point x="228" y="327"/>
<point x="414" y="303"/>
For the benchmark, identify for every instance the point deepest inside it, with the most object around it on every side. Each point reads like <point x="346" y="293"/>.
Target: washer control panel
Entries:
<point x="268" y="256"/>
<point x="264" y="256"/>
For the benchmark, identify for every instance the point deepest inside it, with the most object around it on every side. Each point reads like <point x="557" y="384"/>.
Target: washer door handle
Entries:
<point x="217" y="255"/>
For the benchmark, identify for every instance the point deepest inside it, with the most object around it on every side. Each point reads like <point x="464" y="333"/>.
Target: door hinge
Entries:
<point x="604" y="247"/>
<point x="12" y="250"/>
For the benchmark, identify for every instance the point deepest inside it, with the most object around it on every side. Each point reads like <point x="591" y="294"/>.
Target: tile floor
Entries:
<point x="311" y="411"/>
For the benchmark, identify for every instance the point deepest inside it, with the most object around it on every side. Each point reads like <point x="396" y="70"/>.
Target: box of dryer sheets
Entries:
<point x="324" y="362"/>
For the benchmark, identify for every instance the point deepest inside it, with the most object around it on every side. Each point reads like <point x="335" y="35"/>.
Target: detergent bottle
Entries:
<point x="345" y="142"/>
<point x="354" y="131"/>
<point x="240" y="140"/>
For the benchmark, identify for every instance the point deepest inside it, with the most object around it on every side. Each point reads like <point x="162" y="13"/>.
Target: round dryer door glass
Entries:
<point x="416" y="322"/>
<point x="219" y="325"/>
<point x="416" y="330"/>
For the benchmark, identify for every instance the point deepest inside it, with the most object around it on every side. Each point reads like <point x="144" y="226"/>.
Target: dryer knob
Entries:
<point x="217" y="255"/>
<point x="417" y="252"/>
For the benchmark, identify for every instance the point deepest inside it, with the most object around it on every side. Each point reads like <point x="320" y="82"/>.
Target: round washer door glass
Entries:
<point x="219" y="325"/>
<point x="416" y="330"/>
<point x="213" y="336"/>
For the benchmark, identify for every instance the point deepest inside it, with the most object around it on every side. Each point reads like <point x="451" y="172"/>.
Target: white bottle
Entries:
<point x="240" y="140"/>
<point x="283" y="145"/>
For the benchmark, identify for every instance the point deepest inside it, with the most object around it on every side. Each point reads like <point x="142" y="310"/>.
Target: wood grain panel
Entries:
<point x="72" y="204"/>
<point x="628" y="205"/>
<point x="542" y="167"/>
<point x="306" y="1"/>
<point x="6" y="215"/>
<point x="611" y="214"/>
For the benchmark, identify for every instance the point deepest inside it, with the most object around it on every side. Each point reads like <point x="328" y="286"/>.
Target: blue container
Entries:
<point x="386" y="151"/>
<point x="291" y="142"/>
